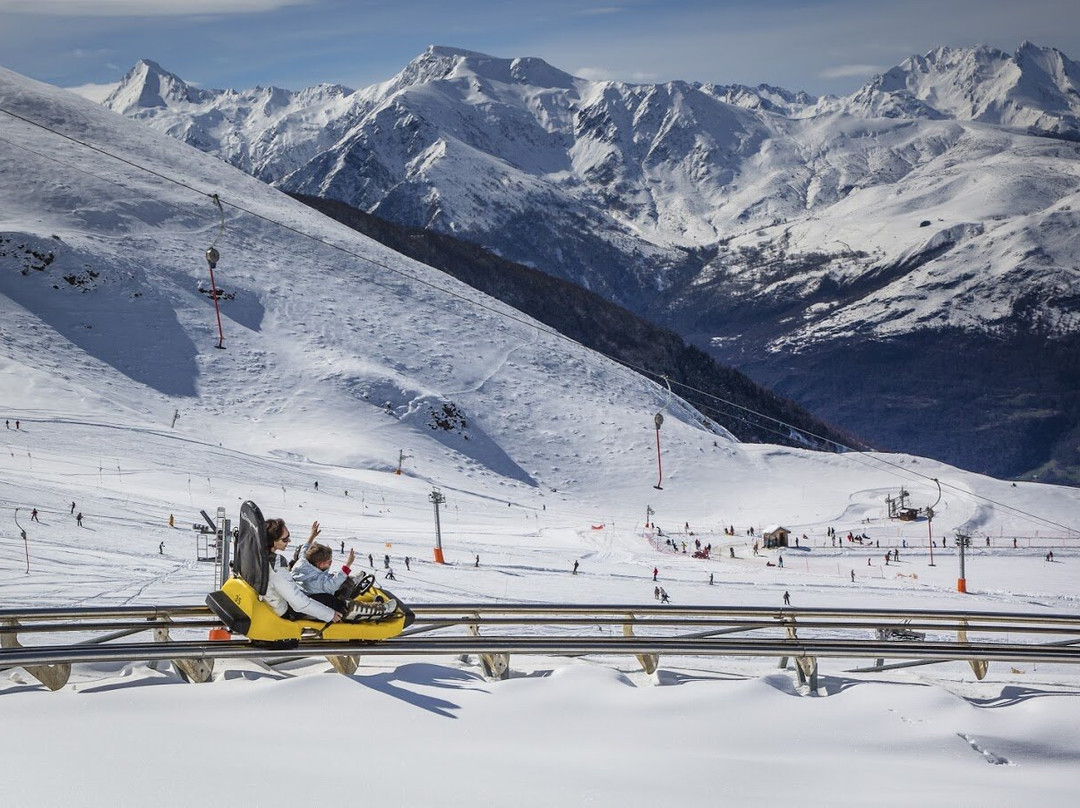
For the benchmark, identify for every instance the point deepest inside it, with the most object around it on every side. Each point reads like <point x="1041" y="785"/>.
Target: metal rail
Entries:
<point x="172" y="612"/>
<point x="556" y="631"/>
<point x="545" y="646"/>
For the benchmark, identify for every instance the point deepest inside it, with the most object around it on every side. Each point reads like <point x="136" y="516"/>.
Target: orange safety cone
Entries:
<point x="220" y="634"/>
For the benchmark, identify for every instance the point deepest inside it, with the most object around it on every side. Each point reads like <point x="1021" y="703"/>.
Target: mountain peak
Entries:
<point x="148" y="84"/>
<point x="1037" y="89"/>
<point x="442" y="62"/>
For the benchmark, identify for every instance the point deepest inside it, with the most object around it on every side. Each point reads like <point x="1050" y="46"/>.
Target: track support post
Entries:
<point x="496" y="666"/>
<point x="344" y="664"/>
<point x="53" y="677"/>
<point x="978" y="666"/>
<point x="649" y="662"/>
<point x="197" y="671"/>
<point x="806" y="667"/>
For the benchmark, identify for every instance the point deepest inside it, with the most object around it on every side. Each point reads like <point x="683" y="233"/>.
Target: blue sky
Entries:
<point x="815" y="45"/>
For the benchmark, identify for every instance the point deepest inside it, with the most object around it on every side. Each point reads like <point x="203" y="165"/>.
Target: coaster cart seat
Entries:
<point x="240" y="607"/>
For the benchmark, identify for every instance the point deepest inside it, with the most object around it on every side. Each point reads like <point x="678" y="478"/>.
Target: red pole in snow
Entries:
<point x="26" y="544"/>
<point x="212" y="257"/>
<point x="659" y="419"/>
<point x="930" y="537"/>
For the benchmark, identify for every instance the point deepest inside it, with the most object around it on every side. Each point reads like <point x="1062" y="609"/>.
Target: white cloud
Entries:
<point x="94" y="92"/>
<point x="143" y="8"/>
<point x="594" y="73"/>
<point x="611" y="74"/>
<point x="847" y="71"/>
<point x="592" y="12"/>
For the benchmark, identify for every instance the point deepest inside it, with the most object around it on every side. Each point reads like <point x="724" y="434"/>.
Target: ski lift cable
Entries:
<point x="465" y="298"/>
<point x="102" y="151"/>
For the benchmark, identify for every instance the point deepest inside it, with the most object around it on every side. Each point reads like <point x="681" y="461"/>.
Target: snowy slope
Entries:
<point x="386" y="343"/>
<point x="128" y="413"/>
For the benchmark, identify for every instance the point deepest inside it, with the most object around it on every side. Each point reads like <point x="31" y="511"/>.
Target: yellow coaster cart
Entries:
<point x="240" y="607"/>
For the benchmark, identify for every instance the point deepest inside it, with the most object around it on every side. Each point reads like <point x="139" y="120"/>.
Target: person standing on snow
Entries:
<point x="655" y="572"/>
<point x="787" y="599"/>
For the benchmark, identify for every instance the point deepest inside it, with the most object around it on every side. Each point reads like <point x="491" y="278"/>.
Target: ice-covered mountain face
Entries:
<point x="655" y="190"/>
<point x="472" y="145"/>
<point x="778" y="230"/>
<point x="1035" y="89"/>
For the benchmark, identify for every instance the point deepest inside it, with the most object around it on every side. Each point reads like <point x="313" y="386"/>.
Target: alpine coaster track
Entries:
<point x="906" y="637"/>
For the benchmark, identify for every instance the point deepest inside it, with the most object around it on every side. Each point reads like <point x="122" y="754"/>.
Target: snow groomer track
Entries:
<point x="886" y="639"/>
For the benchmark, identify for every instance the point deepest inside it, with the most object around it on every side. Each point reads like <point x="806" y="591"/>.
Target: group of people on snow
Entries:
<point x="35" y="518"/>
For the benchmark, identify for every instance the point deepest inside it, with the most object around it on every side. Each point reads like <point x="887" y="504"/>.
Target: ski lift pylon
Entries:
<point x="658" y="420"/>
<point x="212" y="258"/>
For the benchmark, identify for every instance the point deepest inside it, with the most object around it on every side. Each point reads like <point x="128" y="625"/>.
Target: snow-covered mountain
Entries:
<point x="1035" y="89"/>
<point x="336" y="349"/>
<point x="785" y="233"/>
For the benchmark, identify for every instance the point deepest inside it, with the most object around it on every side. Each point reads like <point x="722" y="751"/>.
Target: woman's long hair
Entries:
<point x="274" y="529"/>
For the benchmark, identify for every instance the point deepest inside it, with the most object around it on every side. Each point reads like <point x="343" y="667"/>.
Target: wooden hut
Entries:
<point x="776" y="536"/>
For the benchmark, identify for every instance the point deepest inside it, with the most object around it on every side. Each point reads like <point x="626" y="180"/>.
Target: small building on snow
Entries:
<point x="775" y="536"/>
